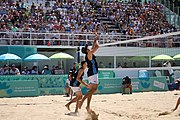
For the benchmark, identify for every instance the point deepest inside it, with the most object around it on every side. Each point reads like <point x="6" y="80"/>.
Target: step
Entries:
<point x="112" y="26"/>
<point x="107" y="22"/>
<point x="104" y="18"/>
<point x="111" y="29"/>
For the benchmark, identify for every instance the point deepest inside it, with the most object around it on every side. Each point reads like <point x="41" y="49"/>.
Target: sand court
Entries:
<point x="138" y="106"/>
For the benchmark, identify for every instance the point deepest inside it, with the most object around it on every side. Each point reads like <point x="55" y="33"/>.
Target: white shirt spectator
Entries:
<point x="4" y="72"/>
<point x="14" y="71"/>
<point x="168" y="64"/>
<point x="34" y="72"/>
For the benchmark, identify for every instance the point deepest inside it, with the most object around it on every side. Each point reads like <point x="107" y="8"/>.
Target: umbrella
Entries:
<point x="61" y="56"/>
<point x="9" y="56"/>
<point x="162" y="57"/>
<point x="36" y="57"/>
<point x="177" y="56"/>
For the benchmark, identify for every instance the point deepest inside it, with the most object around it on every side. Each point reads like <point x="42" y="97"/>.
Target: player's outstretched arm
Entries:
<point x="95" y="44"/>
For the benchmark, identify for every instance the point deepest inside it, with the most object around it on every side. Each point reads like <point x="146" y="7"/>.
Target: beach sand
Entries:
<point x="138" y="106"/>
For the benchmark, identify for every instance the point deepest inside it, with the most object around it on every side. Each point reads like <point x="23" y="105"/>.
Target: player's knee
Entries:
<point x="79" y="97"/>
<point x="94" y="90"/>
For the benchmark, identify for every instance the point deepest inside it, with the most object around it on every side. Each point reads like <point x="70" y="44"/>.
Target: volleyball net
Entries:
<point x="162" y="40"/>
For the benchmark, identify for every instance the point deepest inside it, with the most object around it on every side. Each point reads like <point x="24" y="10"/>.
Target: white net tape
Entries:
<point x="141" y="39"/>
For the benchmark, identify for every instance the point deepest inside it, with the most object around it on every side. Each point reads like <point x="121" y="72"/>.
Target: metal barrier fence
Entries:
<point x="71" y="39"/>
<point x="64" y="39"/>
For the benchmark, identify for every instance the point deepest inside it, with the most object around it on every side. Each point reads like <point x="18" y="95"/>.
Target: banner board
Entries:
<point x="19" y="88"/>
<point x="34" y="85"/>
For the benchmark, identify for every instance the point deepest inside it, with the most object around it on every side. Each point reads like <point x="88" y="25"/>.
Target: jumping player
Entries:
<point x="92" y="72"/>
<point x="75" y="86"/>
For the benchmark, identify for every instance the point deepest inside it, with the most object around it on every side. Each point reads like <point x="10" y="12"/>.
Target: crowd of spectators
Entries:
<point x="16" y="70"/>
<point x="6" y="70"/>
<point x="80" y="16"/>
<point x="134" y="18"/>
<point x="67" y="16"/>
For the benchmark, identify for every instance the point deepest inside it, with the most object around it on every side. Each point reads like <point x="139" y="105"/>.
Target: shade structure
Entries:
<point x="139" y="58"/>
<point x="36" y="57"/>
<point x="162" y="57"/>
<point x="61" y="55"/>
<point x="9" y="57"/>
<point x="177" y="56"/>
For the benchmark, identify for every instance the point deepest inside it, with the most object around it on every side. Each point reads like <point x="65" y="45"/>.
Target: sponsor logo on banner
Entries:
<point x="159" y="84"/>
<point x="135" y="85"/>
<point x="111" y="86"/>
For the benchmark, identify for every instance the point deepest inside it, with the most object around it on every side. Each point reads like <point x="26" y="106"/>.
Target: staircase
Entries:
<point x="111" y="26"/>
<point x="106" y="21"/>
<point x="171" y="9"/>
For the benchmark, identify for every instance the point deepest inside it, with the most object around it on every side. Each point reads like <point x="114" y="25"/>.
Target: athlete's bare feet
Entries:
<point x="67" y="106"/>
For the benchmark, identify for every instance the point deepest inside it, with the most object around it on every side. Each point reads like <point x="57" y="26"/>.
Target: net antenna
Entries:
<point x="140" y="39"/>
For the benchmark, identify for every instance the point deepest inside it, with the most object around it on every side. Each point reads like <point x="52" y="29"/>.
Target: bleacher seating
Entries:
<point x="111" y="17"/>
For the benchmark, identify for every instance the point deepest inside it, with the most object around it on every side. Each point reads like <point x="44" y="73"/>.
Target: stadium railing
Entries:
<point x="71" y="39"/>
<point x="64" y="39"/>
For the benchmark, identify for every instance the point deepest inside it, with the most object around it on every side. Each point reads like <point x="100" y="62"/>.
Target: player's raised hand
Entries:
<point x="96" y="37"/>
